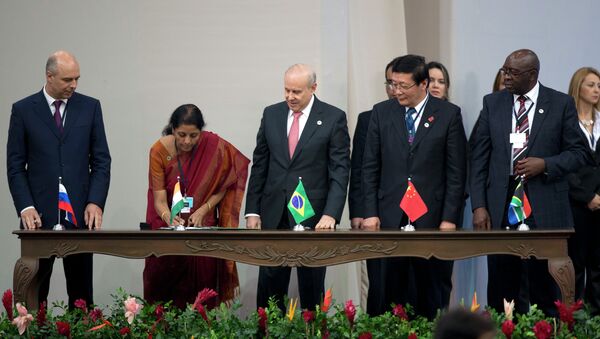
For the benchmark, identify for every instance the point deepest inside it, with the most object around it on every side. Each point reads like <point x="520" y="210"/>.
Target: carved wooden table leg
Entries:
<point x="26" y="284"/>
<point x="563" y="273"/>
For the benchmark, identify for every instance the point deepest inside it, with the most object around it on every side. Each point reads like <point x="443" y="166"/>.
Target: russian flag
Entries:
<point x="65" y="204"/>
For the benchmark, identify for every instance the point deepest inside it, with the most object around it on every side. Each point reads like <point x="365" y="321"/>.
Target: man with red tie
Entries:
<point x="299" y="137"/>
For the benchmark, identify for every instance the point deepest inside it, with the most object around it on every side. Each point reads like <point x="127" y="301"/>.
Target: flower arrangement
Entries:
<point x="132" y="317"/>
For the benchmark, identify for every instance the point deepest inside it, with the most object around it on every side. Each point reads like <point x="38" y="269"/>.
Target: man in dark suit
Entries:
<point x="59" y="133"/>
<point x="300" y="137"/>
<point x="375" y="297"/>
<point x="416" y="137"/>
<point x="528" y="131"/>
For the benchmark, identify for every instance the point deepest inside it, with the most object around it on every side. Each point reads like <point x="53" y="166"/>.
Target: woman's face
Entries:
<point x="186" y="137"/>
<point x="437" y="83"/>
<point x="589" y="92"/>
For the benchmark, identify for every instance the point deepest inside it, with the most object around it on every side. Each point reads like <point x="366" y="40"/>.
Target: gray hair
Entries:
<point x="310" y="72"/>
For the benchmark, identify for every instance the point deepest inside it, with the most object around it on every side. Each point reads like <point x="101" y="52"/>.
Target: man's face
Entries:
<point x="408" y="92"/>
<point x="62" y="84"/>
<point x="519" y="75"/>
<point x="297" y="91"/>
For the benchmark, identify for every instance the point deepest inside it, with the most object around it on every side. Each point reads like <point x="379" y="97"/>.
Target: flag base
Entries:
<point x="299" y="228"/>
<point x="179" y="228"/>
<point x="408" y="228"/>
<point x="58" y="227"/>
<point x="523" y="227"/>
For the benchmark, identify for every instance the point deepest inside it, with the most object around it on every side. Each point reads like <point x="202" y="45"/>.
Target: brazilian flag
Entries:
<point x="299" y="205"/>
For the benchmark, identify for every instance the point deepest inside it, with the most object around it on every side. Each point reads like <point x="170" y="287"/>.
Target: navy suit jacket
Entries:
<point x="37" y="154"/>
<point x="355" y="192"/>
<point x="554" y="137"/>
<point x="435" y="162"/>
<point x="321" y="158"/>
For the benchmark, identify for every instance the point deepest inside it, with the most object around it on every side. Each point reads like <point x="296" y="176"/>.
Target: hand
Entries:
<point x="355" y="223"/>
<point x="326" y="222"/>
<point x="481" y="219"/>
<point x="371" y="224"/>
<point x="447" y="226"/>
<point x="197" y="217"/>
<point x="594" y="204"/>
<point x="31" y="219"/>
<point x="530" y="167"/>
<point x="93" y="216"/>
<point x="253" y="222"/>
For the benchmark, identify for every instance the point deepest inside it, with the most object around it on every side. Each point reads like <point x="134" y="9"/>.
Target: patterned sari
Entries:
<point x="213" y="167"/>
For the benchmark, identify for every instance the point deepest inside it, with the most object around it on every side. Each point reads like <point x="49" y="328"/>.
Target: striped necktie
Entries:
<point x="522" y="126"/>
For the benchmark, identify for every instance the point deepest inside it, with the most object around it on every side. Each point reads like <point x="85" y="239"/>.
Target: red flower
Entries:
<point x="63" y="328"/>
<point x="325" y="334"/>
<point x="308" y="316"/>
<point x="412" y="335"/>
<point x="326" y="301"/>
<point x="7" y="301"/>
<point x="96" y="314"/>
<point x="365" y="335"/>
<point x="262" y="319"/>
<point x="350" y="311"/>
<point x="124" y="331"/>
<point x="400" y="312"/>
<point x="200" y="308"/>
<point x="508" y="328"/>
<point x="204" y="296"/>
<point x="41" y="315"/>
<point x="159" y="312"/>
<point x="542" y="330"/>
<point x="81" y="304"/>
<point x="566" y="313"/>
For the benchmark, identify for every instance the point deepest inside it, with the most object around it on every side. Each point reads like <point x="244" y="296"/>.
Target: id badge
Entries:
<point x="188" y="204"/>
<point x="518" y="139"/>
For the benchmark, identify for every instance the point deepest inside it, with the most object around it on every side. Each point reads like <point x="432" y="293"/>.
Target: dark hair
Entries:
<point x="187" y="114"/>
<point x="390" y="65"/>
<point x="414" y="64"/>
<point x="441" y="67"/>
<point x="460" y="323"/>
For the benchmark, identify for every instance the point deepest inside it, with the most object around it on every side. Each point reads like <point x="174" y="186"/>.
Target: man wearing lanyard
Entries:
<point x="414" y="136"/>
<point x="527" y="133"/>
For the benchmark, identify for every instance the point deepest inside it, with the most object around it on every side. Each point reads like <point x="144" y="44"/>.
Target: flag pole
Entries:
<point x="58" y="226"/>
<point x="523" y="226"/>
<point x="298" y="227"/>
<point x="180" y="227"/>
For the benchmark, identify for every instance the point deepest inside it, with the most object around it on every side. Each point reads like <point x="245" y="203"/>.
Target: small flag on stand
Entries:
<point x="412" y="204"/>
<point x="299" y="205"/>
<point x="178" y="201"/>
<point x="519" y="208"/>
<point x="64" y="204"/>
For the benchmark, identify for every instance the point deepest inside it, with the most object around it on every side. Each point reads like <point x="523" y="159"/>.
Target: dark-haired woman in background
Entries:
<point x="439" y="80"/>
<point x="584" y="245"/>
<point x="213" y="174"/>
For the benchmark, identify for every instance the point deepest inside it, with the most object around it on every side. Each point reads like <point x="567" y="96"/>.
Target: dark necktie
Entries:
<point x="522" y="126"/>
<point x="57" y="117"/>
<point x="410" y="124"/>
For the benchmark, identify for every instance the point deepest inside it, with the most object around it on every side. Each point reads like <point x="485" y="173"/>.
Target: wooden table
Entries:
<point x="289" y="248"/>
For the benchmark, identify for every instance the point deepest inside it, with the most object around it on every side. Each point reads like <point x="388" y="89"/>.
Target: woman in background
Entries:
<point x="584" y="192"/>
<point x="439" y="80"/>
<point x="212" y="176"/>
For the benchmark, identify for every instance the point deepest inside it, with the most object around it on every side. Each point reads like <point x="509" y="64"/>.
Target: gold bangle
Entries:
<point x="209" y="206"/>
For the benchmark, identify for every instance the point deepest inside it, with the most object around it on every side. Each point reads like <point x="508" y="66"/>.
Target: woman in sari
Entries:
<point x="212" y="176"/>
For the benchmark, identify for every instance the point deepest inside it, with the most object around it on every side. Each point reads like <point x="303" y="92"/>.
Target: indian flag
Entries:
<point x="178" y="202"/>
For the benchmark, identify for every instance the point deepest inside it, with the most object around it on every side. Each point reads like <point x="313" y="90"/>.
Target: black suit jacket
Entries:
<point x="554" y="137"/>
<point x="436" y="162"/>
<point x="585" y="183"/>
<point x="321" y="158"/>
<point x="37" y="155"/>
<point x="355" y="194"/>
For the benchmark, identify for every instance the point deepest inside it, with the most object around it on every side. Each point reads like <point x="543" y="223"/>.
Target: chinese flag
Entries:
<point x="412" y="204"/>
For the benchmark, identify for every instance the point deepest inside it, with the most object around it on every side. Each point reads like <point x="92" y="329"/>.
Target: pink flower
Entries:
<point x="350" y="311"/>
<point x="308" y="316"/>
<point x="542" y="330"/>
<point x="63" y="328"/>
<point x="7" y="301"/>
<point x="400" y="312"/>
<point x="96" y="314"/>
<point x="200" y="308"/>
<point x="124" y="331"/>
<point x="413" y="335"/>
<point x="81" y="304"/>
<point x="262" y="320"/>
<point x="325" y="334"/>
<point x="509" y="308"/>
<point x="508" y="328"/>
<point x="365" y="335"/>
<point x="204" y="296"/>
<point x="132" y="308"/>
<point x="41" y="315"/>
<point x="566" y="313"/>
<point x="23" y="319"/>
<point x="159" y="312"/>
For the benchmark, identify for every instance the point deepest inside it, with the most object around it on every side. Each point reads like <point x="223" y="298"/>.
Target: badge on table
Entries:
<point x="299" y="206"/>
<point x="413" y="205"/>
<point x="519" y="208"/>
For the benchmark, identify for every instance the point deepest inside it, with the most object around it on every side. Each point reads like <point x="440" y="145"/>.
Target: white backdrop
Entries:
<point x="144" y="58"/>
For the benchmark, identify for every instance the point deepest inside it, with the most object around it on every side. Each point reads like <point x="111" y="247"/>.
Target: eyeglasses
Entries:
<point x="514" y="72"/>
<point x="398" y="86"/>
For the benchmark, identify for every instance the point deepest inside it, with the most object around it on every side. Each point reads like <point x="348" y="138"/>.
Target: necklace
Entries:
<point x="587" y="123"/>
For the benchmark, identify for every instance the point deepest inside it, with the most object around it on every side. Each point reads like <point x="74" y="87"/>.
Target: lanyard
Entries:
<point x="181" y="172"/>
<point x="419" y="113"/>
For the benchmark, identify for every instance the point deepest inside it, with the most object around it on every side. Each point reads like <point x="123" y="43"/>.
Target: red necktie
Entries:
<point x="522" y="126"/>
<point x="57" y="117"/>
<point x="294" y="133"/>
